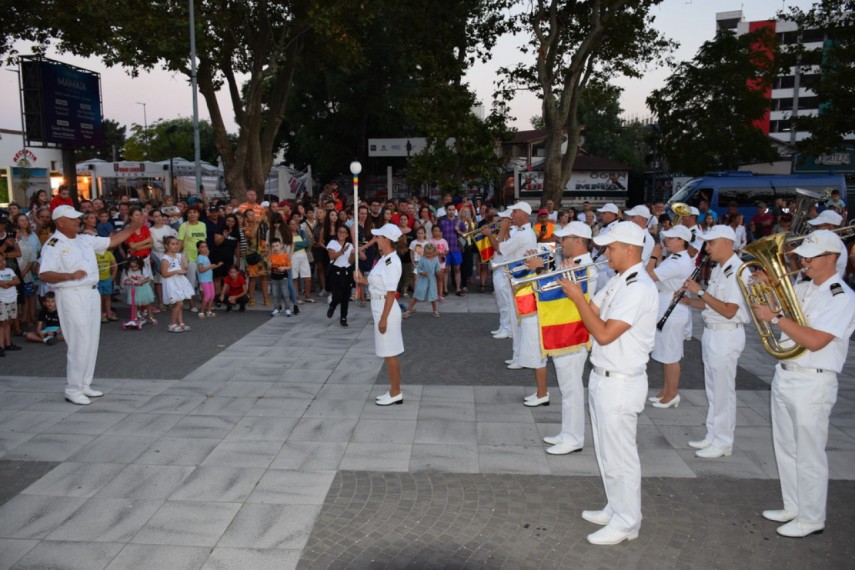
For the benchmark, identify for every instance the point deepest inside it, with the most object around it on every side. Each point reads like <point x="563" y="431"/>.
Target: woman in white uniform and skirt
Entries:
<point x="382" y="284"/>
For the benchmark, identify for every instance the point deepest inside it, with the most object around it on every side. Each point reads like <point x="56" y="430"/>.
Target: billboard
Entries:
<point x="61" y="103"/>
<point x="842" y="161"/>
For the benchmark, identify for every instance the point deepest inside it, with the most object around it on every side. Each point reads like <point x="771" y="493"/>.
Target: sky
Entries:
<point x="167" y="95"/>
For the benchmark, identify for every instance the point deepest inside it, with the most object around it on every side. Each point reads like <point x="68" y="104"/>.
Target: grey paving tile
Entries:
<point x="258" y="559"/>
<point x="209" y="427"/>
<point x="334" y="409"/>
<point x="20" y="400"/>
<point x="147" y="556"/>
<point x="85" y="422"/>
<point x="458" y="458"/>
<point x="453" y="394"/>
<point x="178" y="451"/>
<point x="244" y="389"/>
<point x="377" y="456"/>
<point x="122" y="403"/>
<point x="13" y="550"/>
<point x="146" y="482"/>
<point x="113" y="449"/>
<point x="503" y="412"/>
<point x="737" y="466"/>
<point x="345" y="374"/>
<point x="244" y="454"/>
<point x="435" y="431"/>
<point x="679" y="437"/>
<point x="106" y="520"/>
<point x="262" y="428"/>
<point x="384" y="431"/>
<point x="175" y="404"/>
<point x="144" y="424"/>
<point x="224" y="407"/>
<point x="294" y="390"/>
<point x="50" y="402"/>
<point x="512" y="459"/>
<point x="187" y="524"/>
<point x="75" y="479"/>
<point x="750" y="417"/>
<point x="502" y="394"/>
<point x="840" y="462"/>
<point x="49" y="447"/>
<point x="280" y="407"/>
<point x="303" y="456"/>
<point x="292" y="487"/>
<point x="663" y="463"/>
<point x="682" y="416"/>
<point x="218" y="484"/>
<point x="35" y="516"/>
<point x="409" y="410"/>
<point x="271" y="526"/>
<point x="32" y="421"/>
<point x="323" y="430"/>
<point x="10" y="440"/>
<point x="303" y="376"/>
<point x="69" y="556"/>
<point x="496" y="433"/>
<point x="765" y="459"/>
<point x="447" y="410"/>
<point x="151" y="387"/>
<point x="583" y="463"/>
<point x="344" y="392"/>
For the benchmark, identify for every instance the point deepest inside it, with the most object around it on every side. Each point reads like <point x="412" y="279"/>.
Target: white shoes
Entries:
<point x="700" y="443"/>
<point x="563" y="449"/>
<point x="800" y="529"/>
<point x="514" y="366"/>
<point x="387" y="400"/>
<point x="509" y="361"/>
<point x="672" y="404"/>
<point x="495" y="332"/>
<point x="530" y="397"/>
<point x="552" y="439"/>
<point x="92" y="393"/>
<point x="80" y="400"/>
<point x="653" y="399"/>
<point x="608" y="536"/>
<point x="534" y="402"/>
<point x="502" y="335"/>
<point x="781" y="516"/>
<point x="712" y="452"/>
<point x="601" y="518"/>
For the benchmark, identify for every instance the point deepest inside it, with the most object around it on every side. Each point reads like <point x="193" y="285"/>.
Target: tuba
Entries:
<point x="680" y="209"/>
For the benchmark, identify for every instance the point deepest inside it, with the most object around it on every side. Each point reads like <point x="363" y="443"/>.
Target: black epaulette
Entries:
<point x="388" y="261"/>
<point x="728" y="271"/>
<point x="836" y="289"/>
<point x="52" y="242"/>
<point x="632" y="278"/>
<point x="675" y="256"/>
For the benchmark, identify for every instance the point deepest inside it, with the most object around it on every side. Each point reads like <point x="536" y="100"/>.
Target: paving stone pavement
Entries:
<point x="271" y="454"/>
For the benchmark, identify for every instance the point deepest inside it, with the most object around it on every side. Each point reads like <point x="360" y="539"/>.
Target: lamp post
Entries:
<point x="355" y="169"/>
<point x="145" y="130"/>
<point x="169" y="132"/>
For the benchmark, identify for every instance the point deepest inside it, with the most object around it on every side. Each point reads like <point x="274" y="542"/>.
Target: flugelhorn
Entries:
<point x="472" y="233"/>
<point x="564" y="272"/>
<point x="545" y="250"/>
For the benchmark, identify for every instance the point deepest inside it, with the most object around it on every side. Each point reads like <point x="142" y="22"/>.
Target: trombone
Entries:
<point x="570" y="273"/>
<point x="472" y="233"/>
<point x="545" y="250"/>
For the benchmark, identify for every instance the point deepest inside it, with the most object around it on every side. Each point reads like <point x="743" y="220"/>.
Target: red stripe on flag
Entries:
<point x="526" y="304"/>
<point x="563" y="336"/>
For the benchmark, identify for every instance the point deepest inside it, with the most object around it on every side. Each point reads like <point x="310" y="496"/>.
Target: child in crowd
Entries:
<point x="280" y="267"/>
<point x="47" y="330"/>
<point x="139" y="293"/>
<point x="441" y="250"/>
<point x="234" y="290"/>
<point x="107" y="270"/>
<point x="206" y="279"/>
<point x="8" y="306"/>
<point x="176" y="287"/>
<point x="105" y="226"/>
<point x="427" y="270"/>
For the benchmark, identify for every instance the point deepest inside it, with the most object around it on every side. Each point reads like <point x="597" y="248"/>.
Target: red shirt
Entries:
<point x="235" y="285"/>
<point x="59" y="201"/>
<point x="135" y="238"/>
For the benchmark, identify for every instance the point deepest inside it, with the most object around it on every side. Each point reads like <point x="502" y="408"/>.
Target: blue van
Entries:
<point x="746" y="189"/>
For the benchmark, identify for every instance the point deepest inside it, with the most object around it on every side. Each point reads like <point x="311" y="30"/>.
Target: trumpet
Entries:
<point x="570" y="273"/>
<point x="545" y="250"/>
<point x="472" y="233"/>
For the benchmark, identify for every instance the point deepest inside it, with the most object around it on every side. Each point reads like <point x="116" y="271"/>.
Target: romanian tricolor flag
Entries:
<point x="485" y="247"/>
<point x="561" y="328"/>
<point x="525" y="302"/>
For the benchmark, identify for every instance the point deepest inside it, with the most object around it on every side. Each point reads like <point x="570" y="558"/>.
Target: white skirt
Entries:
<point x="668" y="347"/>
<point x="176" y="289"/>
<point x="530" y="353"/>
<point x="391" y="343"/>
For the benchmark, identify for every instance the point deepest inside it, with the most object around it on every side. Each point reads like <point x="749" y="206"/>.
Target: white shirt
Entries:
<point x="342" y="260"/>
<point x="553" y="217"/>
<point x="629" y="297"/>
<point x="518" y="243"/>
<point x="724" y="287"/>
<point x="829" y="308"/>
<point x="385" y="275"/>
<point x="593" y="271"/>
<point x="647" y="250"/>
<point x="741" y="238"/>
<point x="696" y="231"/>
<point x="8" y="294"/>
<point x="64" y="255"/>
<point x="497" y="256"/>
<point x="672" y="274"/>
<point x="157" y="235"/>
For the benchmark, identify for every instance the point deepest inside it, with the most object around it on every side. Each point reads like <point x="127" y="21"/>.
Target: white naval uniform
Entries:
<point x="617" y="391"/>
<point x="697" y="244"/>
<point x="515" y="247"/>
<point x="803" y="396"/>
<point x="721" y="345"/>
<point x="383" y="278"/>
<point x="77" y="302"/>
<point x="607" y="272"/>
<point x="504" y="297"/>
<point x="569" y="369"/>
<point x="672" y="274"/>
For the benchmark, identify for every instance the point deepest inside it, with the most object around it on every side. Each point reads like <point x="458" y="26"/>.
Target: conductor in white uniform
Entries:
<point x="69" y="264"/>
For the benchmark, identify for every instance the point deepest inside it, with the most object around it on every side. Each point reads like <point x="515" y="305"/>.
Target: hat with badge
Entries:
<point x="819" y="242"/>
<point x="719" y="231"/>
<point x="827" y="217"/>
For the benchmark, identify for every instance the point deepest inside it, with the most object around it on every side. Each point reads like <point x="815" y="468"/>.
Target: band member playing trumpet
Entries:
<point x="621" y="318"/>
<point x="501" y="285"/>
<point x="804" y="389"/>
<point x="725" y="315"/>
<point x="670" y="275"/>
<point x="574" y="239"/>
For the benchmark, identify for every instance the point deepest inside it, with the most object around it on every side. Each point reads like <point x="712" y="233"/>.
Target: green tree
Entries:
<point x="605" y="133"/>
<point x="834" y="86"/>
<point x="573" y="42"/>
<point x="112" y="147"/>
<point x="172" y="137"/>
<point x="707" y="109"/>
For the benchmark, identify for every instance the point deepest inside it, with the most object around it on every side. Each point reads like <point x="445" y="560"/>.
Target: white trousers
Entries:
<point x="529" y="355"/>
<point x="614" y="406"/>
<point x="721" y="350"/>
<point x="504" y="300"/>
<point x="569" y="369"/>
<point x="801" y="404"/>
<point x="79" y="311"/>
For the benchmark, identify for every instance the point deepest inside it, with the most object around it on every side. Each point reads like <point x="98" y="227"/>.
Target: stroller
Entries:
<point x="138" y="318"/>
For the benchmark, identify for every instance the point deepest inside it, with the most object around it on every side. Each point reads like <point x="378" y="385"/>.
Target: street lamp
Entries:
<point x="169" y="132"/>
<point x="145" y="130"/>
<point x="355" y="169"/>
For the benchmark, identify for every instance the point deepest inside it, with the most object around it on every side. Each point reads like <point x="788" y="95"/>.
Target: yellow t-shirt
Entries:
<point x="105" y="263"/>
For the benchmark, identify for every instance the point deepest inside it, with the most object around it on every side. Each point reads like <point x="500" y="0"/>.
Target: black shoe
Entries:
<point x="50" y="341"/>
<point x="2" y="353"/>
<point x="242" y="308"/>
<point x="12" y="347"/>
<point x="343" y="321"/>
<point x="330" y="312"/>
<point x="296" y="310"/>
<point x="229" y="308"/>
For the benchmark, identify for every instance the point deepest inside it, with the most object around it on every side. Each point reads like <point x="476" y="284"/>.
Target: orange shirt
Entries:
<point x="259" y="211"/>
<point x="280" y="262"/>
<point x="539" y="231"/>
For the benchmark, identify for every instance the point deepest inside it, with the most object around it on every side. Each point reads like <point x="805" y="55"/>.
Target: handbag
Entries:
<point x="253" y="258"/>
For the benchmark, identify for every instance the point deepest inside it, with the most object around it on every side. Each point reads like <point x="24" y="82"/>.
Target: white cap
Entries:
<point x="827" y="217"/>
<point x="694" y="211"/>
<point x="609" y="208"/>
<point x="819" y="242"/>
<point x="265" y="204"/>
<point x="390" y="231"/>
<point x="65" y="212"/>
<point x="524" y="206"/>
<point x="640" y="210"/>
<point x="623" y="232"/>
<point x="719" y="231"/>
<point x="505" y="214"/>
<point x="680" y="231"/>
<point x="440" y="212"/>
<point x="579" y="229"/>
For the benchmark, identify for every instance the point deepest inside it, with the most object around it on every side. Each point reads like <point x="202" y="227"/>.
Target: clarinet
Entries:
<point x="698" y="268"/>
